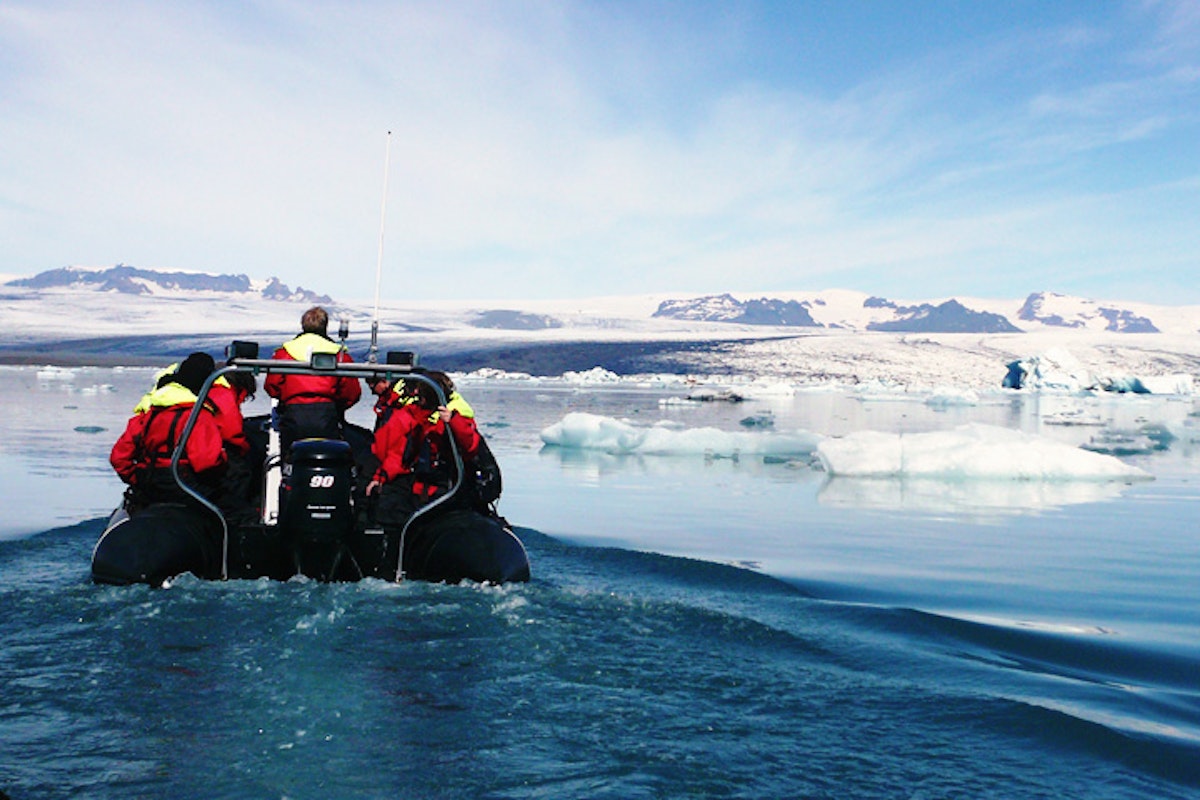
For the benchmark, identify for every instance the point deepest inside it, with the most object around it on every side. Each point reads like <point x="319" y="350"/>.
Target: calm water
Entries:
<point x="696" y="627"/>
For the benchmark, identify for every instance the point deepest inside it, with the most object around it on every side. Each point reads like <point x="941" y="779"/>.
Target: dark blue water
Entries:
<point x="613" y="674"/>
<point x="695" y="628"/>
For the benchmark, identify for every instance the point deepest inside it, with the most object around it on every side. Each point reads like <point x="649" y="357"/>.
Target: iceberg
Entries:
<point x="1180" y="383"/>
<point x="580" y="430"/>
<point x="1054" y="370"/>
<point x="1058" y="370"/>
<point x="968" y="452"/>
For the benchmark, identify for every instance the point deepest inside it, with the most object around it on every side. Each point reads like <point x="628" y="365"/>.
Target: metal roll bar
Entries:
<point x="318" y="364"/>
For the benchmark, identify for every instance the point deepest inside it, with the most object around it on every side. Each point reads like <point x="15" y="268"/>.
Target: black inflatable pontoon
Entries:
<point x="307" y="521"/>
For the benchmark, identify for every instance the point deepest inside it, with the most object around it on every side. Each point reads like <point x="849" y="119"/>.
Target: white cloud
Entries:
<point x="560" y="148"/>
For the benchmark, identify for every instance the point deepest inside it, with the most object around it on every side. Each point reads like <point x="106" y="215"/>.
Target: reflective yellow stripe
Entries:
<point x="143" y="405"/>
<point x="456" y="403"/>
<point x="171" y="395"/>
<point x="303" y="346"/>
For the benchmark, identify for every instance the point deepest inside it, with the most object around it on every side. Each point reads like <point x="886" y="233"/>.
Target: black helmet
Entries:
<point x="194" y="371"/>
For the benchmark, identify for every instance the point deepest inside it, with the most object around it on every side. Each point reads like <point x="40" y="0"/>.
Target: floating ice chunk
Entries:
<point x="714" y="396"/>
<point x="1058" y="370"/>
<point x="55" y="374"/>
<point x="1054" y="370"/>
<point x="1127" y="443"/>
<point x="946" y="396"/>
<point x="593" y="432"/>
<point x="968" y="452"/>
<point x="1179" y="383"/>
<point x="591" y="376"/>
<point x="762" y="419"/>
<point x="1176" y="383"/>
<point x="492" y="374"/>
<point x="1073" y="417"/>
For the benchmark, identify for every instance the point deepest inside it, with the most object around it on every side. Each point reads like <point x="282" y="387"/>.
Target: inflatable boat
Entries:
<point x="308" y="519"/>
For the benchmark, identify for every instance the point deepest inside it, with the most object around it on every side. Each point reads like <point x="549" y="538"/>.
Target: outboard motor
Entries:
<point x="316" y="510"/>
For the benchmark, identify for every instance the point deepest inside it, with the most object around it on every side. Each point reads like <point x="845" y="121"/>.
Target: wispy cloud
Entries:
<point x="579" y="148"/>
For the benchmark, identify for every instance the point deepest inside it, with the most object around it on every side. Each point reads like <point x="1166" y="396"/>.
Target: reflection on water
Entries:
<point x="981" y="499"/>
<point x="59" y="424"/>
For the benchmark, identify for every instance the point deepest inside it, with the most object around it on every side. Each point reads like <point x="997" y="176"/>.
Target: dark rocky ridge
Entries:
<point x="133" y="281"/>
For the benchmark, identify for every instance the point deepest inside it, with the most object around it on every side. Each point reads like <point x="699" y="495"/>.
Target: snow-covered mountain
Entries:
<point x="1040" y="310"/>
<point x="948" y="317"/>
<point x="829" y="309"/>
<point x="124" y="279"/>
<point x="1053" y="309"/>
<point x="128" y="315"/>
<point x="726" y="308"/>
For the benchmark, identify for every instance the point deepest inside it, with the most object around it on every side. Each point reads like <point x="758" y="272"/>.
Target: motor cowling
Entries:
<point x="315" y="498"/>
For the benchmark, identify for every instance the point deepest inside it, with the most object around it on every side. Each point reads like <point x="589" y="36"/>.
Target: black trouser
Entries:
<point x="321" y="420"/>
<point x="394" y="503"/>
<point x="157" y="485"/>
<point x="236" y="494"/>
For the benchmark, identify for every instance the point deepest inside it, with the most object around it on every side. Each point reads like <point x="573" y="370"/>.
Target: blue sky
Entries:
<point x="914" y="150"/>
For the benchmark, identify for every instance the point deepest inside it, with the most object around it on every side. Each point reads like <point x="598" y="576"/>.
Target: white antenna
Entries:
<point x="373" y="355"/>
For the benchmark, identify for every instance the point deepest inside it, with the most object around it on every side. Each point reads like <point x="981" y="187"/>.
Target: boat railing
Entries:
<point x="401" y="367"/>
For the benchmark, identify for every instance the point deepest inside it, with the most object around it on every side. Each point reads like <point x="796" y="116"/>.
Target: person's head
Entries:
<point x="315" y="320"/>
<point x="244" y="385"/>
<point x="378" y="385"/>
<point x="443" y="380"/>
<point x="194" y="371"/>
<point x="422" y="394"/>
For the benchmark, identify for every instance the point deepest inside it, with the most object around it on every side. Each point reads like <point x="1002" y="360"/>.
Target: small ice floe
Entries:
<point x="949" y="396"/>
<point x="762" y="419"/>
<point x="492" y="374"/>
<point x="1073" y="416"/>
<point x="968" y="452"/>
<point x="727" y="396"/>
<point x="591" y="377"/>
<point x="678" y="402"/>
<point x="47" y="374"/>
<point x="1176" y="384"/>
<point x="584" y="431"/>
<point x="1150" y="439"/>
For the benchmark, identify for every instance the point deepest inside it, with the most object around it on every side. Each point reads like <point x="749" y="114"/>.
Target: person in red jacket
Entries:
<point x="311" y="406"/>
<point x="387" y="398"/>
<point x="142" y="455"/>
<point x="458" y="415"/>
<point x="482" y="481"/>
<point x="409" y="448"/>
<point x="227" y="395"/>
<point x="238" y="487"/>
